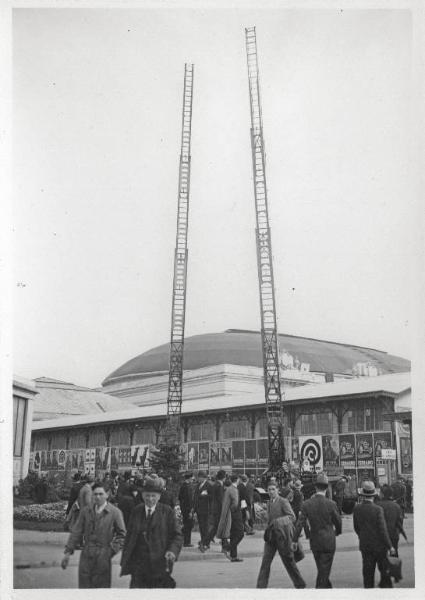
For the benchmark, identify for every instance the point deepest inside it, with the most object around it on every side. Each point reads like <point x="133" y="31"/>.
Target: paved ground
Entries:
<point x="37" y="557"/>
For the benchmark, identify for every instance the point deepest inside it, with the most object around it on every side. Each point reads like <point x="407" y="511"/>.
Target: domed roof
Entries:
<point x="240" y="347"/>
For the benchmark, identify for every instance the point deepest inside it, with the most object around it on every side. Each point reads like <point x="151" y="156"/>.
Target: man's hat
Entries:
<point x="153" y="484"/>
<point x="322" y="479"/>
<point x="221" y="474"/>
<point x="387" y="492"/>
<point x="368" y="489"/>
<point x="202" y="474"/>
<point x="188" y="475"/>
<point x="244" y="477"/>
<point x="297" y="484"/>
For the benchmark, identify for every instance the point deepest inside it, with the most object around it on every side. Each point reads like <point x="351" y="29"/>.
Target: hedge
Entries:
<point x="41" y="513"/>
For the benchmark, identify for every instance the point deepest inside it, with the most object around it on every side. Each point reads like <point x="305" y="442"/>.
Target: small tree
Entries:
<point x="167" y="461"/>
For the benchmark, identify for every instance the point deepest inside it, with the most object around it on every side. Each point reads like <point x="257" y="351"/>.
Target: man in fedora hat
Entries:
<point x="202" y="507"/>
<point x="374" y="541"/>
<point x="153" y="540"/>
<point x="321" y="520"/>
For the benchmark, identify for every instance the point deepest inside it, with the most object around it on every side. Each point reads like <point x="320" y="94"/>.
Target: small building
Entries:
<point x="24" y="392"/>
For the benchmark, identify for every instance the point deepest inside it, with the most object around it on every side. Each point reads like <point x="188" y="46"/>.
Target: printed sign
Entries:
<point x="140" y="455"/>
<point x="388" y="454"/>
<point x="215" y="455"/>
<point x="238" y="451"/>
<point x="103" y="459"/>
<point x="347" y="451"/>
<point x="250" y="453"/>
<point x="114" y="458"/>
<point x="311" y="450"/>
<point x="330" y="446"/>
<point x="226" y="454"/>
<point x="61" y="458"/>
<point x="364" y="444"/>
<point x="124" y="456"/>
<point x="381" y="442"/>
<point x="204" y="455"/>
<point x="263" y="453"/>
<point x="192" y="455"/>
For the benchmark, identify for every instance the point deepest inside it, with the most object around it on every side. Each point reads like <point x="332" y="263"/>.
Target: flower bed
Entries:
<point x="41" y="513"/>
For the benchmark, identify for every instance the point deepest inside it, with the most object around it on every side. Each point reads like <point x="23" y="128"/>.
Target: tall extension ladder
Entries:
<point x="270" y="348"/>
<point x="175" y="381"/>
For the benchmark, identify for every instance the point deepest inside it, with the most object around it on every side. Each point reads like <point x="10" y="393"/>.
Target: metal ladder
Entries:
<point x="175" y="381"/>
<point x="272" y="387"/>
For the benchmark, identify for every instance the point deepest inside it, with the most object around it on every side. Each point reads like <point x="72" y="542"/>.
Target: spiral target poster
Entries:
<point x="310" y="448"/>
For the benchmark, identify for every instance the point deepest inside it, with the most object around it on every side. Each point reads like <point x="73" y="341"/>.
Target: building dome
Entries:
<point x="240" y="347"/>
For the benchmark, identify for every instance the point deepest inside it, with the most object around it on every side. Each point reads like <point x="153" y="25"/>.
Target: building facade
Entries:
<point x="24" y="392"/>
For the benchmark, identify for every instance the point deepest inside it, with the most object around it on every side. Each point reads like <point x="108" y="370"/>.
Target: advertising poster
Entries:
<point x="204" y="455"/>
<point x="295" y="450"/>
<point x="330" y="444"/>
<point x="406" y="455"/>
<point x="250" y="454"/>
<point x="347" y="451"/>
<point x="192" y="455"/>
<point x="81" y="460"/>
<point x="68" y="460"/>
<point x="114" y="458"/>
<point x="183" y="456"/>
<point x="365" y="475"/>
<point x="43" y="460"/>
<point x="263" y="453"/>
<point x="364" y="446"/>
<point x="382" y="441"/>
<point x="61" y="460"/>
<point x="215" y="456"/>
<point x="238" y="454"/>
<point x="48" y="460"/>
<point x="226" y="455"/>
<point x="37" y="461"/>
<point x="124" y="456"/>
<point x="311" y="455"/>
<point x="103" y="457"/>
<point x="140" y="455"/>
<point x="87" y="455"/>
<point x="74" y="459"/>
<point x="89" y="468"/>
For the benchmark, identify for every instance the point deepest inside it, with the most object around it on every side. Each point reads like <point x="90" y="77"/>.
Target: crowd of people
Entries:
<point x="139" y="516"/>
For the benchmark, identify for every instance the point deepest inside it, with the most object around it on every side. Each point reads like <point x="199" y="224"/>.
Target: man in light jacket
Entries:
<point x="278" y="509"/>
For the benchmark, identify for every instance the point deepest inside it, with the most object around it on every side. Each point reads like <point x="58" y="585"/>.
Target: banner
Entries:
<point x="192" y="455"/>
<point x="226" y="454"/>
<point x="61" y="458"/>
<point x="204" y="455"/>
<point x="347" y="451"/>
<point x="114" y="458"/>
<point x="215" y="456"/>
<point x="103" y="459"/>
<point x="311" y="452"/>
<point x="250" y="454"/>
<point x="68" y="460"/>
<point x="364" y="446"/>
<point x="238" y="451"/>
<point x="330" y="444"/>
<point x="140" y="456"/>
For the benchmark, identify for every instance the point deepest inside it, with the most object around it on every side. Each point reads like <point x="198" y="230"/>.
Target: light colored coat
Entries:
<point x="230" y="504"/>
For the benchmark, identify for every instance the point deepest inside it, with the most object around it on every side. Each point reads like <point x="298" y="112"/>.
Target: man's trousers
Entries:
<point x="203" y="529"/>
<point x="94" y="569"/>
<point x="236" y="532"/>
<point x="324" y="562"/>
<point x="270" y="549"/>
<point x="370" y="560"/>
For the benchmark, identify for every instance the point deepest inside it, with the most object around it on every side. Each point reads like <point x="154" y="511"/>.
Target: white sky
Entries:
<point x="97" y="109"/>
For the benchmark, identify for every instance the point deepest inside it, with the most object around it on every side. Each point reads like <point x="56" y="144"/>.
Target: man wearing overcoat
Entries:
<point x="186" y="507"/>
<point x="231" y="524"/>
<point x="153" y="540"/>
<point x="102" y="530"/>
<point x="322" y="522"/>
<point x="201" y="505"/>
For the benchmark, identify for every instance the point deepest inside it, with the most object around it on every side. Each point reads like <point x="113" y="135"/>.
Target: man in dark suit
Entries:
<point x="186" y="507"/>
<point x="231" y="524"/>
<point x="393" y="516"/>
<point x="250" y="489"/>
<point x="374" y="541"/>
<point x="153" y="541"/>
<point x="322" y="521"/>
<point x="201" y="505"/>
<point x="217" y="493"/>
<point x="243" y="501"/>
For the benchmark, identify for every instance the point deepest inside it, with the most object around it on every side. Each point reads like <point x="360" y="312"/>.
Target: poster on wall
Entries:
<point x="215" y="456"/>
<point x="347" y="451"/>
<point x="330" y="444"/>
<point x="311" y="455"/>
<point x="124" y="457"/>
<point x="365" y="475"/>
<point x="406" y="455"/>
<point x="61" y="460"/>
<point x="37" y="461"/>
<point x="250" y="454"/>
<point x="89" y="468"/>
<point x="103" y="459"/>
<point x="364" y="447"/>
<point x="238" y="450"/>
<point x="192" y="455"/>
<point x="226" y="455"/>
<point x="204" y="455"/>
<point x="68" y="460"/>
<point x="382" y="441"/>
<point x="183" y="456"/>
<point x="263" y="453"/>
<point x="114" y="458"/>
<point x="140" y="456"/>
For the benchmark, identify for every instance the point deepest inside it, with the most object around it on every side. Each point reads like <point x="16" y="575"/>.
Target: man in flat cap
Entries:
<point x="322" y="522"/>
<point x="374" y="540"/>
<point x="153" y="540"/>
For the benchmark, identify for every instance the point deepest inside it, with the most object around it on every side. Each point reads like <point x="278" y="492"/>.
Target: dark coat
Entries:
<point x="202" y="498"/>
<point x="165" y="536"/>
<point x="126" y="505"/>
<point x="217" y="494"/>
<point x="393" y="518"/>
<point x="73" y="495"/>
<point x="242" y="493"/>
<point x="297" y="501"/>
<point x="167" y="498"/>
<point x="186" y="497"/>
<point x="369" y="524"/>
<point x="250" y="487"/>
<point x="322" y="521"/>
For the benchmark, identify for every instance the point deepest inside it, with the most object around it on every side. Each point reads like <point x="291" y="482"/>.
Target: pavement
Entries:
<point x="37" y="557"/>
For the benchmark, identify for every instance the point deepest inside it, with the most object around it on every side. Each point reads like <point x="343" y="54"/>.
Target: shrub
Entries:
<point x="42" y="513"/>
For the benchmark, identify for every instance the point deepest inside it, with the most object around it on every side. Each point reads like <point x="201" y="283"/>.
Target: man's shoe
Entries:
<point x="187" y="545"/>
<point x="236" y="560"/>
<point x="227" y="554"/>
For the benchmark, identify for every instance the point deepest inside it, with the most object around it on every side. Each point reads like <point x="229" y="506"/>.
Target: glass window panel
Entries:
<point x="144" y="435"/>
